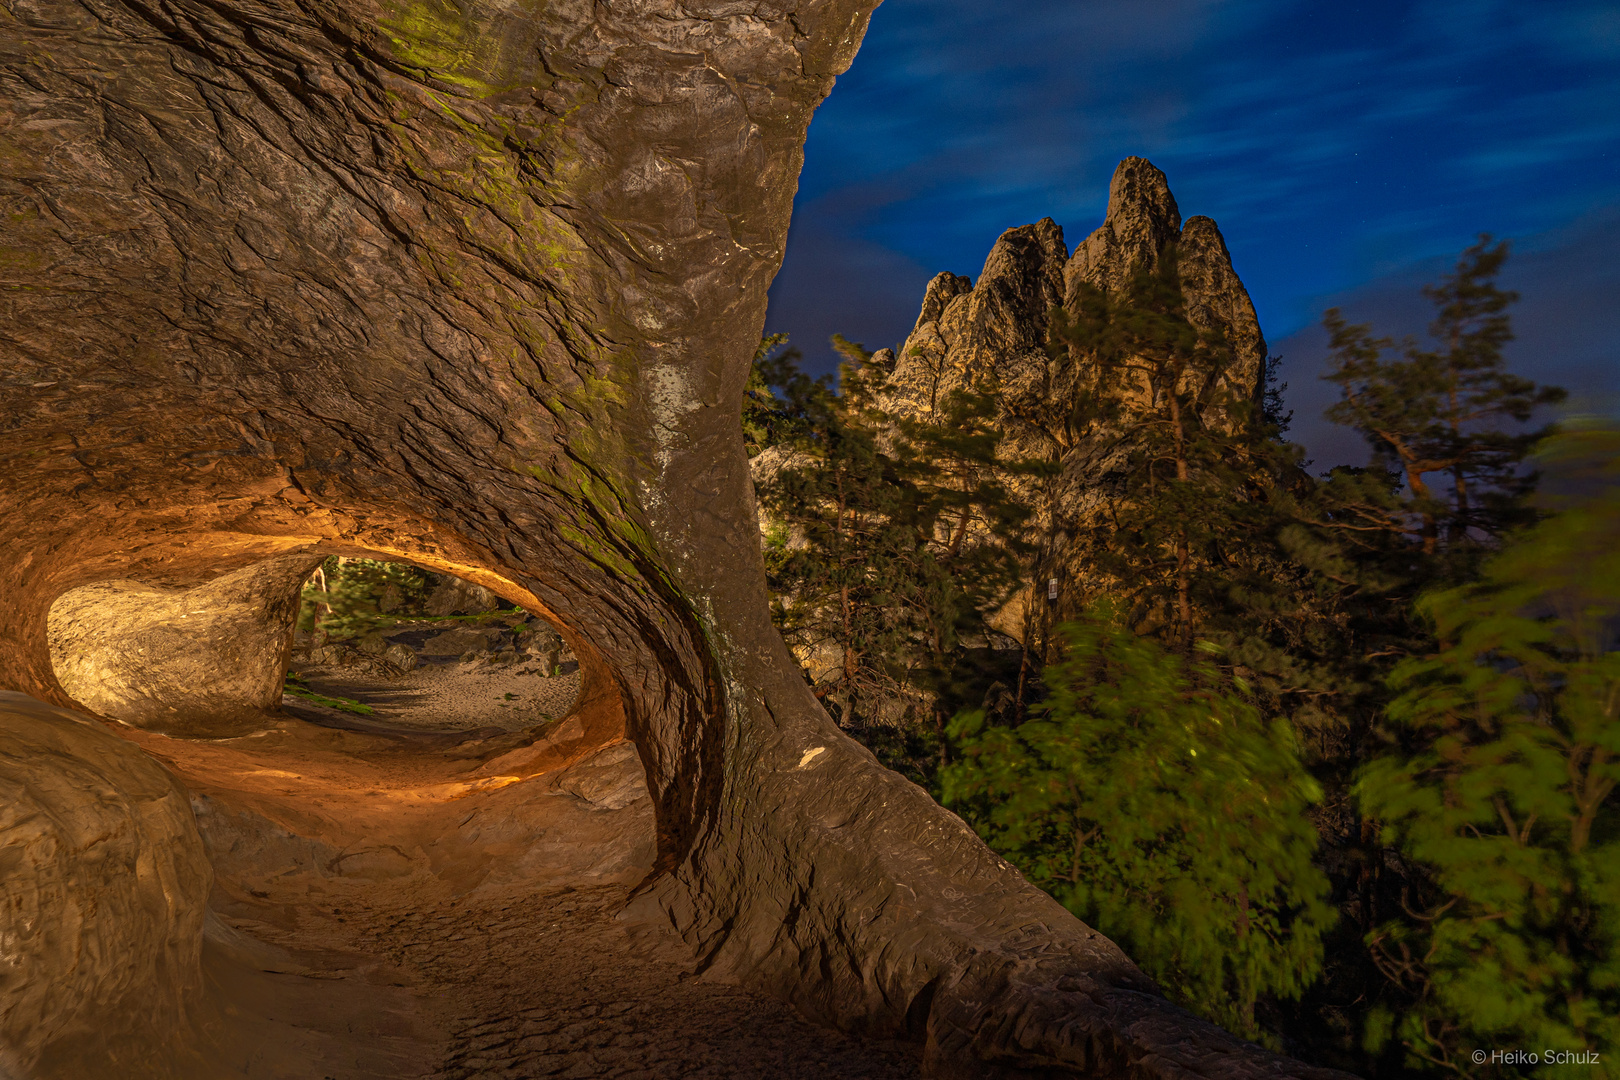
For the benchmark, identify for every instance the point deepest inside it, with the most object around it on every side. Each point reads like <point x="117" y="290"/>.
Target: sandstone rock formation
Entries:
<point x="179" y="659"/>
<point x="456" y="597"/>
<point x="105" y="884"/>
<point x="476" y="286"/>
<point x="993" y="335"/>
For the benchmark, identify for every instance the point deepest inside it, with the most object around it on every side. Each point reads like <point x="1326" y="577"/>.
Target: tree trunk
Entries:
<point x="1183" y="549"/>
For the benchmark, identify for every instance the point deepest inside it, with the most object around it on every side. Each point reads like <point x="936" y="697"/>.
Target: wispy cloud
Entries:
<point x="1332" y="142"/>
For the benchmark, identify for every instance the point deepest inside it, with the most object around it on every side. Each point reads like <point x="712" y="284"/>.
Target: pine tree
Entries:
<point x="1196" y="497"/>
<point x="767" y="419"/>
<point x="1372" y="540"/>
<point x="1150" y="797"/>
<point x="1183" y="533"/>
<point x="898" y="540"/>
<point x="1438" y="415"/>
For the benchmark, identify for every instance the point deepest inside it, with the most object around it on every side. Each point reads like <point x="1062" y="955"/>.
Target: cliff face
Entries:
<point x="993" y="334"/>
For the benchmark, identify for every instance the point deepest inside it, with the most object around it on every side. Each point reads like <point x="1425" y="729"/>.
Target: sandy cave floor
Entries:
<point x="551" y="984"/>
<point x="439" y="891"/>
<point x="459" y="697"/>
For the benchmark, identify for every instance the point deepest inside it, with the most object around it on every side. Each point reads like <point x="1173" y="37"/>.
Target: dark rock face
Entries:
<point x="993" y="335"/>
<point x="477" y="287"/>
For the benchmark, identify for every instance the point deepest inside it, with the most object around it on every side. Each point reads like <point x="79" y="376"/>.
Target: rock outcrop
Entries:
<point x="105" y="892"/>
<point x="477" y="286"/>
<point x="993" y="335"/>
<point x="203" y="659"/>
<point x="452" y="596"/>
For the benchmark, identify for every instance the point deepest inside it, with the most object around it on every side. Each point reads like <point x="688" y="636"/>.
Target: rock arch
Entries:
<point x="476" y="285"/>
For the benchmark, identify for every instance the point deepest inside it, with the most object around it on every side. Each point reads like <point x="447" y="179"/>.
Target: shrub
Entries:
<point x="1154" y="802"/>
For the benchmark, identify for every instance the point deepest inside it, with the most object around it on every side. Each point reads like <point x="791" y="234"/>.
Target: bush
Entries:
<point x="360" y="595"/>
<point x="1155" y="803"/>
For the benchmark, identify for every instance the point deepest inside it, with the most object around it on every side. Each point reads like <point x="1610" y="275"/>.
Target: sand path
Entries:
<point x="394" y="898"/>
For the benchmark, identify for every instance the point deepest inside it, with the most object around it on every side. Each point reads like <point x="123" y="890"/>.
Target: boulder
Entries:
<point x="105" y="896"/>
<point x="179" y="660"/>
<point x="453" y="596"/>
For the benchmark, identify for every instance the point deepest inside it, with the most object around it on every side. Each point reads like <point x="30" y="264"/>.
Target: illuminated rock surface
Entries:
<point x="179" y="659"/>
<point x="474" y="287"/>
<point x="992" y="335"/>
<point x="105" y="886"/>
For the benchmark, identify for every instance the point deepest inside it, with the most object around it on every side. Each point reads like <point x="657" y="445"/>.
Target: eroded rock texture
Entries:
<point x="992" y="335"/>
<point x="184" y="659"/>
<point x="103" y="899"/>
<point x="477" y="286"/>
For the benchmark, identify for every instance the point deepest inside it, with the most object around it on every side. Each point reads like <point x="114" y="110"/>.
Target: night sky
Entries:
<point x="1347" y="151"/>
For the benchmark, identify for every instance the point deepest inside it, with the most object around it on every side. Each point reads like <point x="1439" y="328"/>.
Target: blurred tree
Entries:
<point x="1499" y="785"/>
<point x="1372" y="540"/>
<point x="1154" y="801"/>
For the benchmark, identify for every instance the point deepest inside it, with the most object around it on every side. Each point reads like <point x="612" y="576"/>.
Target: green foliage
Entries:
<point x="1250" y="616"/>
<point x="1369" y="541"/>
<point x="1501" y="788"/>
<point x="1152" y="799"/>
<point x="894" y="540"/>
<point x="762" y="411"/>
<point x="347" y="598"/>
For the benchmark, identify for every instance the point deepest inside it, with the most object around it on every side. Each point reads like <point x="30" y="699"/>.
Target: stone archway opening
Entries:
<point x="381" y="645"/>
<point x="362" y="640"/>
<point x="408" y="892"/>
<point x="301" y="707"/>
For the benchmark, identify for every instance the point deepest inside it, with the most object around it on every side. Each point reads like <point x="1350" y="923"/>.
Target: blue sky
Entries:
<point x="1348" y="152"/>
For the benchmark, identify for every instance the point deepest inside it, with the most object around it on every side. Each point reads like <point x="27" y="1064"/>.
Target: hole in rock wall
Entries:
<point x="346" y="642"/>
<point x="389" y="645"/>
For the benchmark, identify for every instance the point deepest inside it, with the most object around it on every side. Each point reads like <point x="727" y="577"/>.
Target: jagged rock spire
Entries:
<point x="992" y="334"/>
<point x="1142" y="221"/>
<point x="996" y="329"/>
<point x="1216" y="299"/>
